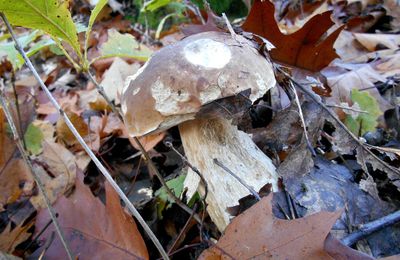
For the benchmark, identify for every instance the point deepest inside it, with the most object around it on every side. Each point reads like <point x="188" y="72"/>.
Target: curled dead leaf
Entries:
<point x="59" y="173"/>
<point x="65" y="134"/>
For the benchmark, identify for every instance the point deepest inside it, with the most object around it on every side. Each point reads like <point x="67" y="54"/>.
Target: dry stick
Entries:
<point x="182" y="231"/>
<point x="146" y="155"/>
<point x="371" y="227"/>
<point x="194" y="169"/>
<point x="251" y="189"/>
<point x="17" y="140"/>
<point x="18" y="110"/>
<point x="102" y="169"/>
<point x="340" y="123"/>
<point x="303" y="123"/>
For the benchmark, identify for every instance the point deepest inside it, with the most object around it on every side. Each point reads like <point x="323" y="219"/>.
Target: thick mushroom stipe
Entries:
<point x="174" y="86"/>
<point x="207" y="140"/>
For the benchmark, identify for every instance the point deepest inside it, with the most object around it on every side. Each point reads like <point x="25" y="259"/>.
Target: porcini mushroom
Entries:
<point x="178" y="85"/>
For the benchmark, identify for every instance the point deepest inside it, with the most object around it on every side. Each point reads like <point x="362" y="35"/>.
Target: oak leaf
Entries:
<point x="12" y="237"/>
<point x="257" y="234"/>
<point x="306" y="48"/>
<point x="92" y="229"/>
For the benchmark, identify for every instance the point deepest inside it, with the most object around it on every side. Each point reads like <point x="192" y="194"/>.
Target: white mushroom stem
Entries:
<point x="206" y="140"/>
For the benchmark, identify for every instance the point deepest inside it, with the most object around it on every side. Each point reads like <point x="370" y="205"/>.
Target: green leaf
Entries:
<point x="123" y="45"/>
<point x="8" y="50"/>
<point x="161" y="24"/>
<point x="154" y="5"/>
<point x="364" y="122"/>
<point x="163" y="199"/>
<point x="95" y="12"/>
<point x="51" y="16"/>
<point x="33" y="139"/>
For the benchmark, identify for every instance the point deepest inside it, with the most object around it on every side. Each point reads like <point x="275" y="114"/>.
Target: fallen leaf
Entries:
<point x="60" y="163"/>
<point x="372" y="41"/>
<point x="305" y="48"/>
<point x="33" y="139"/>
<point x="114" y="78"/>
<point x="300" y="13"/>
<point x="10" y="238"/>
<point x="393" y="9"/>
<point x="111" y="124"/>
<point x="342" y="78"/>
<point x="92" y="229"/>
<point x="48" y="130"/>
<point x="16" y="180"/>
<point x="91" y="99"/>
<point x="65" y="134"/>
<point x="209" y="26"/>
<point x="149" y="141"/>
<point x="8" y="256"/>
<point x="367" y="121"/>
<point x="366" y="158"/>
<point x="258" y="234"/>
<point x="339" y="251"/>
<point x="67" y="103"/>
<point x="7" y="145"/>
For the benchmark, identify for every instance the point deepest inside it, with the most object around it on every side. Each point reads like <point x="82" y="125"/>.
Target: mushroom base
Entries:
<point x="205" y="140"/>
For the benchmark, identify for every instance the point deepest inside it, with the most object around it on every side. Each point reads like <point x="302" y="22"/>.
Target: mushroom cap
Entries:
<point x="174" y="84"/>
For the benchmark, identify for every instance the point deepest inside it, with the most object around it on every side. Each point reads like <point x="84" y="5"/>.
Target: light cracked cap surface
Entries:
<point x="179" y="79"/>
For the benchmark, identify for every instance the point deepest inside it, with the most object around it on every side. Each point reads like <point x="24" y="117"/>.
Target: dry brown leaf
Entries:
<point x="347" y="47"/>
<point x="9" y="239"/>
<point x="342" y="78"/>
<point x="148" y="141"/>
<point x="114" y="78"/>
<point x="91" y="99"/>
<point x="393" y="9"/>
<point x="92" y="229"/>
<point x="16" y="180"/>
<point x="364" y="158"/>
<point x="67" y="103"/>
<point x="299" y="14"/>
<point x="210" y="25"/>
<point x="112" y="124"/>
<point x="60" y="162"/>
<point x="257" y="234"/>
<point x="305" y="48"/>
<point x="7" y="145"/>
<point x="372" y="41"/>
<point x="65" y="134"/>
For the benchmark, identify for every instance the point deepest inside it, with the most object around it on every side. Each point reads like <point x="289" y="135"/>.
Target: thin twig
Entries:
<point x="228" y="24"/>
<point x="349" y="108"/>
<point x="303" y="123"/>
<point x="371" y="227"/>
<point x="340" y="123"/>
<point x="145" y="154"/>
<point x="182" y="231"/>
<point x="17" y="140"/>
<point x="251" y="189"/>
<point x="100" y="166"/>
<point x="16" y="102"/>
<point x="194" y="169"/>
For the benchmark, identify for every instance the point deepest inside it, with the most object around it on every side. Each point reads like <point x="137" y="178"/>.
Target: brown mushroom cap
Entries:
<point x="179" y="79"/>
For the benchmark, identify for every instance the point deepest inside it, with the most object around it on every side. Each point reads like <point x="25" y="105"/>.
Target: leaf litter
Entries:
<point x="311" y="39"/>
